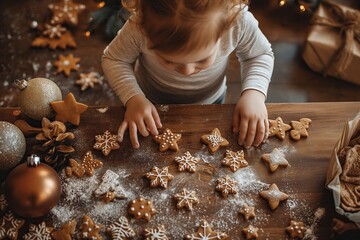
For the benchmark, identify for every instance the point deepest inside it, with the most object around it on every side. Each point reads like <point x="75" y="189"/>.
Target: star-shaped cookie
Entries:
<point x="251" y="232"/>
<point x="168" y="140"/>
<point x="65" y="12"/>
<point x="226" y="186"/>
<point x="299" y="128"/>
<point x="278" y="128"/>
<point x="39" y="231"/>
<point x="142" y="208"/>
<point x="205" y="232"/>
<point x="120" y="229"/>
<point x="296" y="229"/>
<point x="86" y="167"/>
<point x="64" y="41"/>
<point x="214" y="140"/>
<point x="274" y="196"/>
<point x="66" y="64"/>
<point x="65" y="232"/>
<point x="159" y="177"/>
<point x="158" y="233"/>
<point x="88" y="80"/>
<point x="275" y="159"/>
<point x="9" y="226"/>
<point x="89" y="229"/>
<point x="106" y="142"/>
<point x="248" y="212"/>
<point x="68" y="110"/>
<point x="234" y="160"/>
<point x="187" y="162"/>
<point x="186" y="199"/>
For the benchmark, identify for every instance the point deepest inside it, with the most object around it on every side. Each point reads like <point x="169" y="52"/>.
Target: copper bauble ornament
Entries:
<point x="12" y="145"/>
<point x="32" y="189"/>
<point x="35" y="97"/>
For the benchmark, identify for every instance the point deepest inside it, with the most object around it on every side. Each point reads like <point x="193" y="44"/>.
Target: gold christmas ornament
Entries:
<point x="32" y="189"/>
<point x="35" y="97"/>
<point x="12" y="145"/>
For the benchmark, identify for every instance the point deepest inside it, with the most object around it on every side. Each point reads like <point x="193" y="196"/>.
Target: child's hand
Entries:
<point x="251" y="119"/>
<point x="140" y="115"/>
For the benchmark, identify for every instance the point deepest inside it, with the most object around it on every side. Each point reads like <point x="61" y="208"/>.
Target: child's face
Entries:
<point x="189" y="63"/>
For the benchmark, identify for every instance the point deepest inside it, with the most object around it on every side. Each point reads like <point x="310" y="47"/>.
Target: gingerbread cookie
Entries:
<point x="278" y="128"/>
<point x="106" y="143"/>
<point x="68" y="110"/>
<point x="275" y="159"/>
<point x="86" y="167"/>
<point x="159" y="177"/>
<point x="64" y="41"/>
<point x="186" y="199"/>
<point x="65" y="232"/>
<point x="187" y="162"/>
<point x="3" y="203"/>
<point x="248" y="212"/>
<point x="234" y="160"/>
<point x="88" y="80"/>
<point x="120" y="229"/>
<point x="168" y="140"/>
<point x="251" y="232"/>
<point x="54" y="31"/>
<point x="65" y="12"/>
<point x="274" y="196"/>
<point x="205" y="232"/>
<point x="66" y="64"/>
<point x="158" y="233"/>
<point x="226" y="186"/>
<point x="39" y="231"/>
<point x="89" y="229"/>
<point x="214" y="140"/>
<point x="299" y="128"/>
<point x="296" y="229"/>
<point x="142" y="209"/>
<point x="110" y="187"/>
<point x="9" y="226"/>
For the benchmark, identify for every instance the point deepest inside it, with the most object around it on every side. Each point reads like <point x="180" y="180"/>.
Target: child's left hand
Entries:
<point x="251" y="119"/>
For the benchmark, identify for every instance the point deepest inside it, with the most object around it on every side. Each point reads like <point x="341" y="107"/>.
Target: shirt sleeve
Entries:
<point x="118" y="61"/>
<point x="254" y="53"/>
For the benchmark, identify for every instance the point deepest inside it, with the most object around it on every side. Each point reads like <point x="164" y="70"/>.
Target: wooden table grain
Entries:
<point x="304" y="180"/>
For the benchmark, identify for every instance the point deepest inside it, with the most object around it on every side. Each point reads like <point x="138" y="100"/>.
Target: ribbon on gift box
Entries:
<point x="348" y="25"/>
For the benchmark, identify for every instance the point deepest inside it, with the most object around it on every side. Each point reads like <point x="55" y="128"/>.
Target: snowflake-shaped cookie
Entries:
<point x="274" y="196"/>
<point x="158" y="233"/>
<point x="251" y="232"/>
<point x="89" y="229"/>
<point x="110" y="183"/>
<point x="54" y="31"/>
<point x="226" y="186"/>
<point x="278" y="128"/>
<point x="65" y="12"/>
<point x="186" y="199"/>
<point x="66" y="64"/>
<point x="187" y="162"/>
<point x="168" y="140"/>
<point x="142" y="208"/>
<point x="88" y="80"/>
<point x="275" y="159"/>
<point x="206" y="233"/>
<point x="234" y="160"/>
<point x="9" y="226"/>
<point x="120" y="229"/>
<point x="296" y="229"/>
<point x="38" y="232"/>
<point x="159" y="177"/>
<point x="248" y="212"/>
<point x="106" y="142"/>
<point x="86" y="167"/>
<point x="214" y="140"/>
<point x="3" y="203"/>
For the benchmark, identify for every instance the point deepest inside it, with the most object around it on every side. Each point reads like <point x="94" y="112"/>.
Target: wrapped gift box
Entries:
<point x="333" y="44"/>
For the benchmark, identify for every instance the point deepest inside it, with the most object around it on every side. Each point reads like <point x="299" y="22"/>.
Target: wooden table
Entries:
<point x="304" y="181"/>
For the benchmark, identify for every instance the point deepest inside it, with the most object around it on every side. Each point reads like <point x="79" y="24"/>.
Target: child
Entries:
<point x="176" y="51"/>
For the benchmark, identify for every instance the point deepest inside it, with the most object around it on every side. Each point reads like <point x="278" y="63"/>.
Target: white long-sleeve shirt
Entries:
<point x="131" y="68"/>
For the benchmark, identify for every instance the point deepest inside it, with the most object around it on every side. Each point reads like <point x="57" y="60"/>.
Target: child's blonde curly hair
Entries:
<point x="174" y="26"/>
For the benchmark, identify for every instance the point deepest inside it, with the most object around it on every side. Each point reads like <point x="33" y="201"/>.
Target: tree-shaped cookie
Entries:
<point x="120" y="229"/>
<point x="89" y="229"/>
<point x="274" y="196"/>
<point x="158" y="233"/>
<point x="39" y="231"/>
<point x="299" y="128"/>
<point x="296" y="229"/>
<point x="275" y="159"/>
<point x="226" y="186"/>
<point x="278" y="128"/>
<point x="187" y="162"/>
<point x="106" y="142"/>
<point x="214" y="140"/>
<point x="234" y="160"/>
<point x="65" y="232"/>
<point x="205" y="232"/>
<point x="186" y="199"/>
<point x="141" y="208"/>
<point x="9" y="226"/>
<point x="110" y="183"/>
<point x="168" y="140"/>
<point x="159" y="177"/>
<point x="251" y="232"/>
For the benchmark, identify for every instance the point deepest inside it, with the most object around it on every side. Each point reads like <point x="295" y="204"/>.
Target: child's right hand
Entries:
<point x="140" y="115"/>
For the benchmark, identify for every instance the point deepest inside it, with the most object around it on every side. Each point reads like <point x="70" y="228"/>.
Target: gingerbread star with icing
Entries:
<point x="65" y="12"/>
<point x="275" y="159"/>
<point x="39" y="231"/>
<point x="234" y="160"/>
<point x="278" y="128"/>
<point x="205" y="232"/>
<point x="274" y="196"/>
<point x="214" y="140"/>
<point x="142" y="208"/>
<point x="68" y="110"/>
<point x="299" y="128"/>
<point x="186" y="199"/>
<point x="88" y="80"/>
<point x="65" y="232"/>
<point x="248" y="212"/>
<point x="296" y="229"/>
<point x="159" y="177"/>
<point x="66" y="64"/>
<point x="106" y="143"/>
<point x="168" y="140"/>
<point x="89" y="229"/>
<point x="226" y="186"/>
<point x="251" y="232"/>
<point x="187" y="162"/>
<point x="9" y="226"/>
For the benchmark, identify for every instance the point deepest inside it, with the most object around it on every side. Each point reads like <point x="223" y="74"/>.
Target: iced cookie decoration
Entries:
<point x="106" y="142"/>
<point x="275" y="159"/>
<point x="251" y="232"/>
<point x="158" y="233"/>
<point x="3" y="203"/>
<point x="86" y="167"/>
<point x="68" y="110"/>
<point x="89" y="229"/>
<point x="187" y="162"/>
<point x="159" y="177"/>
<point x="54" y="36"/>
<point x="9" y="226"/>
<point x="54" y="31"/>
<point x="299" y="128"/>
<point x="66" y="63"/>
<point x="205" y="232"/>
<point x="274" y="196"/>
<point x="234" y="160"/>
<point x="214" y="140"/>
<point x="39" y="231"/>
<point x="65" y="232"/>
<point x="186" y="199"/>
<point x="248" y="212"/>
<point x="278" y="128"/>
<point x="110" y="184"/>
<point x="65" y="12"/>
<point x="120" y="229"/>
<point x="88" y="80"/>
<point x="226" y="186"/>
<point x="168" y="140"/>
<point x="296" y="229"/>
<point x="142" y="208"/>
